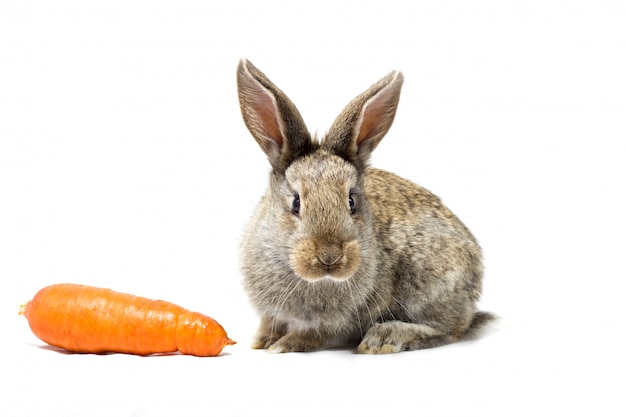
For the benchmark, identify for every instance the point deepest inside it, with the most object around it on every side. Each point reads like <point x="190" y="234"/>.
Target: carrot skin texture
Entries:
<point x="87" y="319"/>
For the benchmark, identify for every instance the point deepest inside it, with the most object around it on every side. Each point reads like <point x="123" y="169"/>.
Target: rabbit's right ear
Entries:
<point x="364" y="122"/>
<point x="271" y="117"/>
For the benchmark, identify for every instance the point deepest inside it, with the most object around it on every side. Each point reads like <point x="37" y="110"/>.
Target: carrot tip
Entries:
<point x="22" y="310"/>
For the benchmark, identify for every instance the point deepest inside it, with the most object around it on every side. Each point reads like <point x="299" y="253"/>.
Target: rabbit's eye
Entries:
<point x="352" y="204"/>
<point x="295" y="206"/>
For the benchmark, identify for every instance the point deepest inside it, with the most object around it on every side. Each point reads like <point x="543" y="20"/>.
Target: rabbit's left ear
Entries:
<point x="271" y="117"/>
<point x="361" y="126"/>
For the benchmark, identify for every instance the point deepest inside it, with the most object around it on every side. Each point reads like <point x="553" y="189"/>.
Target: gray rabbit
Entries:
<point x="339" y="252"/>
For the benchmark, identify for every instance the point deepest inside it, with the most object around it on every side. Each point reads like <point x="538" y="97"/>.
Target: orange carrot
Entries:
<point x="86" y="319"/>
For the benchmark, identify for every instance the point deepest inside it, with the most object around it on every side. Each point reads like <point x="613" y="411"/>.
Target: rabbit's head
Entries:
<point x="316" y="210"/>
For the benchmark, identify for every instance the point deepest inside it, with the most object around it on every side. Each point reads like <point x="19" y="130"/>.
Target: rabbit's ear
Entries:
<point x="271" y="117"/>
<point x="359" y="128"/>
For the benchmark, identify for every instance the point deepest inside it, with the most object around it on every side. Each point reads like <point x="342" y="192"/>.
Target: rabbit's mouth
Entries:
<point x="337" y="261"/>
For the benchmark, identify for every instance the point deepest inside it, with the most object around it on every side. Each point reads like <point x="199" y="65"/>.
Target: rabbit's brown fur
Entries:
<point x="339" y="252"/>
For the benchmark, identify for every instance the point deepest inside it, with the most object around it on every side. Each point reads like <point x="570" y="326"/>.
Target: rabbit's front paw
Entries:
<point x="297" y="342"/>
<point x="270" y="330"/>
<point x="261" y="343"/>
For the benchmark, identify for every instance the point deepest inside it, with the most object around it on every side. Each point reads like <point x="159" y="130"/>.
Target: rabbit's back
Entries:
<point x="429" y="253"/>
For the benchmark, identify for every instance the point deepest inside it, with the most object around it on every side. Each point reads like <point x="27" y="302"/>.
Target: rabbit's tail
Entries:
<point x="479" y="321"/>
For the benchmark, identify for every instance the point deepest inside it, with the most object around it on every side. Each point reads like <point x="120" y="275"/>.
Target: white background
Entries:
<point x="124" y="163"/>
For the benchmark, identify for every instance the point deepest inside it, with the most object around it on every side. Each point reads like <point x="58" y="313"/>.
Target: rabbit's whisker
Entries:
<point x="384" y="303"/>
<point x="350" y="286"/>
<point x="279" y="305"/>
<point x="365" y="302"/>
<point x="408" y="312"/>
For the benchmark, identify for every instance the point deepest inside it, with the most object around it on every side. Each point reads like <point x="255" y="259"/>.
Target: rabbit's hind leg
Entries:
<point x="396" y="336"/>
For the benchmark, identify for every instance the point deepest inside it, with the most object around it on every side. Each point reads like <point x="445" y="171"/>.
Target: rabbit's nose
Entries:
<point x="330" y="255"/>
